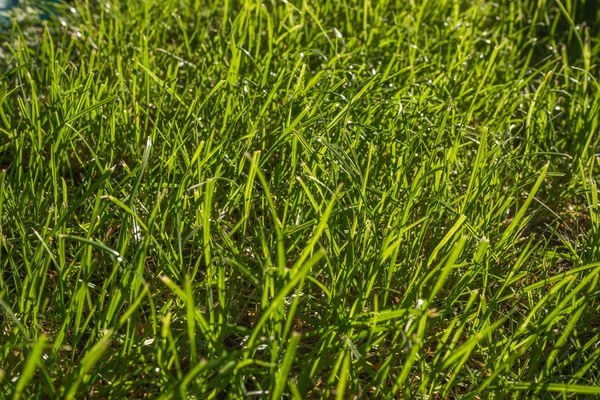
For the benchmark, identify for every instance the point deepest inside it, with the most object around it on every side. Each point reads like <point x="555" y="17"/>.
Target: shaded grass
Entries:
<point x="332" y="199"/>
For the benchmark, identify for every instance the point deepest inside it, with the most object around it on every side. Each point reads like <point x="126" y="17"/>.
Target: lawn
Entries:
<point x="300" y="199"/>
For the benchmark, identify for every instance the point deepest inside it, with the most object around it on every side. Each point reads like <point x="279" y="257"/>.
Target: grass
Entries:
<point x="301" y="199"/>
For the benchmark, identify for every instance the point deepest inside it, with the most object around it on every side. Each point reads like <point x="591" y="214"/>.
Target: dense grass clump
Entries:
<point x="301" y="199"/>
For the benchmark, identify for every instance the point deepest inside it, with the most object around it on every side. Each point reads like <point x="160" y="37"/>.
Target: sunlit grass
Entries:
<point x="301" y="199"/>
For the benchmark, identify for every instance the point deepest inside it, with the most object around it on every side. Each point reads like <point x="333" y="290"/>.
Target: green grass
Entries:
<point x="301" y="199"/>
